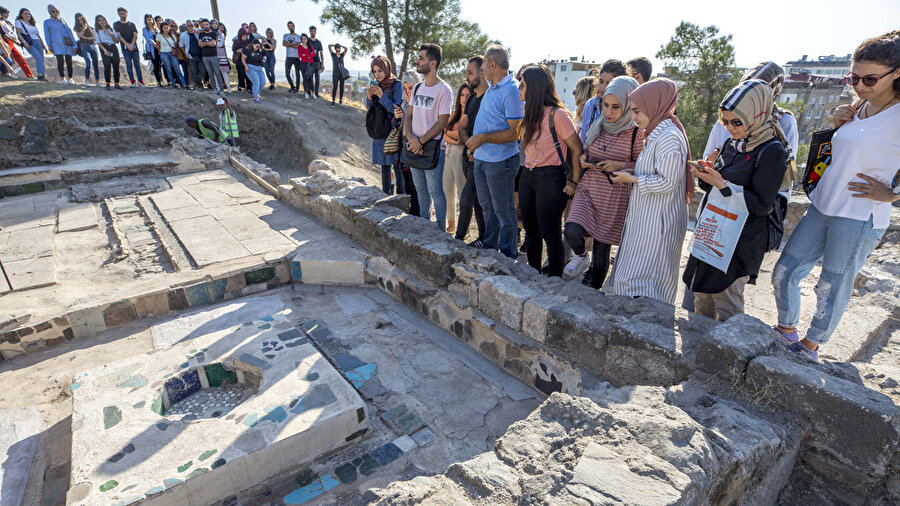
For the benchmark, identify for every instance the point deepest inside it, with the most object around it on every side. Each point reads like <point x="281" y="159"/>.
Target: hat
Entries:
<point x="221" y="101"/>
<point x="189" y="120"/>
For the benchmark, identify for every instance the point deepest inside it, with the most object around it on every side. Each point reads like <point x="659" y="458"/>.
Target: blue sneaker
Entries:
<point x="787" y="339"/>
<point x="800" y="349"/>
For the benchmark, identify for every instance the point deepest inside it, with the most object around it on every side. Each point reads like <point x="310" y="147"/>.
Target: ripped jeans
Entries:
<point x="843" y="244"/>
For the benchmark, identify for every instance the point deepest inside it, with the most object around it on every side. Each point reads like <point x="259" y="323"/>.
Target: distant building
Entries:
<point x="820" y="96"/>
<point x="829" y="66"/>
<point x="566" y="73"/>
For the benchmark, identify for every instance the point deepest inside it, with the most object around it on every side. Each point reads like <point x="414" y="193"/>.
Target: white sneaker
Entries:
<point x="65" y="81"/>
<point x="576" y="267"/>
<point x="71" y="81"/>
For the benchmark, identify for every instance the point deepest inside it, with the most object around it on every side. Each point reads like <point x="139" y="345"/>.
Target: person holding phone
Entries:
<point x="754" y="160"/>
<point x="599" y="206"/>
<point x="385" y="91"/>
<point x="850" y="207"/>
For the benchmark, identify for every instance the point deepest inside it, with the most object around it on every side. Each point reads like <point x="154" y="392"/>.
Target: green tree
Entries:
<point x="401" y="26"/>
<point x="702" y="62"/>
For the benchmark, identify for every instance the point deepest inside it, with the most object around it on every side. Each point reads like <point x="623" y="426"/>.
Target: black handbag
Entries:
<point x="428" y="160"/>
<point x="819" y="159"/>
<point x="345" y="74"/>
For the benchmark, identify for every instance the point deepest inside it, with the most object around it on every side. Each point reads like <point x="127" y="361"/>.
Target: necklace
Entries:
<point x="869" y="115"/>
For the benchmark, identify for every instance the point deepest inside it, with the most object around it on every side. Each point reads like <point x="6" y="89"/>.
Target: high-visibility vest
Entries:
<point x="228" y="124"/>
<point x="208" y="133"/>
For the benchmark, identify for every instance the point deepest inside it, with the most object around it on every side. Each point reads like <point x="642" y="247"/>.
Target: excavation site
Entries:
<point x="182" y="323"/>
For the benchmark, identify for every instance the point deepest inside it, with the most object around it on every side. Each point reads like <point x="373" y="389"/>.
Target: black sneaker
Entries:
<point x="476" y="244"/>
<point x="588" y="275"/>
<point x="271" y="86"/>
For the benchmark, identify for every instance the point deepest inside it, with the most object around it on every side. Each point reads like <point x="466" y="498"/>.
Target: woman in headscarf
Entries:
<point x="647" y="261"/>
<point x="753" y="161"/>
<point x="599" y="206"/>
<point x="61" y="41"/>
<point x="387" y="93"/>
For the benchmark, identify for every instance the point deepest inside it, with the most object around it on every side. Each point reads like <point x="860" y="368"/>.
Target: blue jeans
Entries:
<point x="270" y="66"/>
<point x="257" y="77"/>
<point x="89" y="53"/>
<point x="386" y="179"/>
<point x="133" y="59"/>
<point x="170" y="61"/>
<point x="430" y="188"/>
<point x="496" y="184"/>
<point x="843" y="245"/>
<point x="37" y="52"/>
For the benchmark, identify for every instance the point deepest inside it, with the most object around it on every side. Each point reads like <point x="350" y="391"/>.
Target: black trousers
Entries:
<point x="542" y="203"/>
<point x="410" y="188"/>
<point x="337" y="83"/>
<point x="599" y="263"/>
<point x="243" y="80"/>
<point x="289" y="63"/>
<point x="59" y="65"/>
<point x="315" y="78"/>
<point x="111" y="62"/>
<point x="157" y="67"/>
<point x="468" y="202"/>
<point x="306" y="70"/>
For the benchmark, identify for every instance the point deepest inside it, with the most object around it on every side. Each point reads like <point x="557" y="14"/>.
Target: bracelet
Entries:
<point x="573" y="182"/>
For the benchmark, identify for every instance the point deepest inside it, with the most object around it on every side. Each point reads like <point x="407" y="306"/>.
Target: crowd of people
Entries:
<point x="620" y="171"/>
<point x="196" y="54"/>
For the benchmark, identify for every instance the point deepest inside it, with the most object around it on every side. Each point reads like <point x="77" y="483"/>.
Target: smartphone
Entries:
<point x="697" y="166"/>
<point x="373" y="82"/>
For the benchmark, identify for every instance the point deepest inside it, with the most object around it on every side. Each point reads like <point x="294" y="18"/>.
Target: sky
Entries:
<point x="777" y="30"/>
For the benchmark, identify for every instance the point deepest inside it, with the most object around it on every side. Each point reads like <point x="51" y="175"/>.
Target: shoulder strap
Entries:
<point x="562" y="159"/>
<point x="633" y="137"/>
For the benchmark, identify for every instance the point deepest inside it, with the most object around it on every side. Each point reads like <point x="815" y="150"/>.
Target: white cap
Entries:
<point x="220" y="101"/>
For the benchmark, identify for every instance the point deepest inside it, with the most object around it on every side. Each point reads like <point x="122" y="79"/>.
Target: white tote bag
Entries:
<point x="719" y="227"/>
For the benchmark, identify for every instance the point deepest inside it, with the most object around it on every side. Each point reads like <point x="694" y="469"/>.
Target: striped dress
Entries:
<point x="600" y="207"/>
<point x="647" y="261"/>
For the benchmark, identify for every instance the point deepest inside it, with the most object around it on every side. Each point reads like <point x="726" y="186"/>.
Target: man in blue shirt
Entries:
<point x="496" y="152"/>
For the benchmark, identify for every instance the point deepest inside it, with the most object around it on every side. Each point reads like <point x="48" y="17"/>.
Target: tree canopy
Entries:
<point x="399" y="27"/>
<point x="702" y="62"/>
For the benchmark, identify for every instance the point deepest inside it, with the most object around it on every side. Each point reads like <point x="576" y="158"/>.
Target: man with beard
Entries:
<point x="468" y="200"/>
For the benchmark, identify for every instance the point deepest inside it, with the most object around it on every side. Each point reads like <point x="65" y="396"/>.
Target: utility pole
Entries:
<point x="215" y="9"/>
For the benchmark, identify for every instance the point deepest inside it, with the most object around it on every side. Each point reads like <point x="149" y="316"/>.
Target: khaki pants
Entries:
<point x="723" y="305"/>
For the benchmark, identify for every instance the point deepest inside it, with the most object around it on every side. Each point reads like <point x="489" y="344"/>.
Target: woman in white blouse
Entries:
<point x="850" y="208"/>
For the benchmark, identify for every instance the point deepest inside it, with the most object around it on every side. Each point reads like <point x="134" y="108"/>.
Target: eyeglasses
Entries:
<point x="735" y="123"/>
<point x="870" y="81"/>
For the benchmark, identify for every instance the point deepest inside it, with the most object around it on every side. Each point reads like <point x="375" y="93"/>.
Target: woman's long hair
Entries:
<point x="884" y="50"/>
<point x="457" y="109"/>
<point x="152" y="24"/>
<point x="22" y="11"/>
<point x="97" y="23"/>
<point x="81" y="23"/>
<point x="585" y="89"/>
<point x="540" y="92"/>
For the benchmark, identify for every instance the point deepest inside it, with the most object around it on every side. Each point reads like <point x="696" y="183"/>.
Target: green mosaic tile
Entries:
<point x="217" y="375"/>
<point x="109" y="485"/>
<point x="259" y="276"/>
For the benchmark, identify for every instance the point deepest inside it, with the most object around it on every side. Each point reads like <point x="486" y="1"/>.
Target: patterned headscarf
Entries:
<point x="384" y="64"/>
<point x="773" y="75"/>
<point x="658" y="99"/>
<point x="620" y="88"/>
<point x="751" y="101"/>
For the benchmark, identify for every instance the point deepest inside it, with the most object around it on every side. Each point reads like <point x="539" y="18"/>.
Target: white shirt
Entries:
<point x="868" y="146"/>
<point x="719" y="134"/>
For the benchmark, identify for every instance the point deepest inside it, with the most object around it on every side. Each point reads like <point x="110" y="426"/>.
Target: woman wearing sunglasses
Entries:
<point x="599" y="206"/>
<point x="754" y="160"/>
<point x="850" y="208"/>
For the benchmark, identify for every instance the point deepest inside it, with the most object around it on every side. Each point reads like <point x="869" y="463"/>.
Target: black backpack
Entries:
<point x="378" y="120"/>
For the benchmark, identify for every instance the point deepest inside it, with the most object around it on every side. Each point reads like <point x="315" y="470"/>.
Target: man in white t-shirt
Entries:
<point x="428" y="115"/>
<point x="290" y="41"/>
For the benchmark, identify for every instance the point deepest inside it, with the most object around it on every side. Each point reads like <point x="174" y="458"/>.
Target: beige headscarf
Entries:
<point x="752" y="102"/>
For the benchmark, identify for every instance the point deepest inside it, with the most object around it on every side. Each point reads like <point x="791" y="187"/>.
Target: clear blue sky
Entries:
<point x="777" y="30"/>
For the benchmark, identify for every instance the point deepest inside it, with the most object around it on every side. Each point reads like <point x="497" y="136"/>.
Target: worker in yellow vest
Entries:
<point x="204" y="128"/>
<point x="228" y="123"/>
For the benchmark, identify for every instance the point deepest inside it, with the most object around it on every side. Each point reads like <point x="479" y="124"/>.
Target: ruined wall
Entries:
<point x="564" y="338"/>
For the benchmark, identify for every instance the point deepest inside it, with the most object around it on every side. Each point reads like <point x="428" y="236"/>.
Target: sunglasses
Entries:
<point x="735" y="123"/>
<point x="870" y="81"/>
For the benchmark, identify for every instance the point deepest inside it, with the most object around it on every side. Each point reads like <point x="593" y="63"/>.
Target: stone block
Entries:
<point x="257" y="276"/>
<point x="325" y="264"/>
<point x="282" y="272"/>
<point x="8" y="133"/>
<point x="235" y="283"/>
<point x="177" y="299"/>
<point x="850" y="423"/>
<point x="642" y="353"/>
<point x="575" y="331"/>
<point x="32" y="145"/>
<point x="36" y="127"/>
<point x="119" y="313"/>
<point x="152" y="304"/>
<point x="503" y="299"/>
<point x="85" y="322"/>
<point x="731" y="345"/>
<point x="536" y="315"/>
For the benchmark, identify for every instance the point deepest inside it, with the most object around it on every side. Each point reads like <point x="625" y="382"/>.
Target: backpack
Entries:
<point x="378" y="120"/>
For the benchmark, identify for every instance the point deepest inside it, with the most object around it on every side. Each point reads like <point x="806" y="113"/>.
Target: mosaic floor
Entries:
<point x="212" y="402"/>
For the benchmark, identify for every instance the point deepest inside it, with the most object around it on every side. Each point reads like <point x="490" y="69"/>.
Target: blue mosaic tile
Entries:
<point x="303" y="494"/>
<point x="296" y="273"/>
<point x="275" y="414"/>
<point x="386" y="454"/>
<point x="253" y="360"/>
<point x="290" y="334"/>
<point x="348" y="362"/>
<point x="217" y="289"/>
<point x="197" y="295"/>
<point x="267" y="319"/>
<point x="423" y="437"/>
<point x="181" y="387"/>
<point x="251" y="420"/>
<point x="135" y="381"/>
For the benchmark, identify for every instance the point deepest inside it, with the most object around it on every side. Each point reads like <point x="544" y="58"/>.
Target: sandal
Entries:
<point x="787" y="339"/>
<point x="802" y="350"/>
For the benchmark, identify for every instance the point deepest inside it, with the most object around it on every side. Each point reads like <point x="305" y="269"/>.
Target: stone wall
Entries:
<point x="564" y="338"/>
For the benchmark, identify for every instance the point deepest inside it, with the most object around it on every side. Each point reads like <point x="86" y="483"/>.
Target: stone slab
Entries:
<point x="172" y="199"/>
<point x="303" y="408"/>
<point x="27" y="243"/>
<point x="76" y="217"/>
<point x="339" y="264"/>
<point x="207" y="241"/>
<point x="268" y="241"/>
<point x="31" y="273"/>
<point x="213" y="319"/>
<point x="19" y="430"/>
<point x="4" y="285"/>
